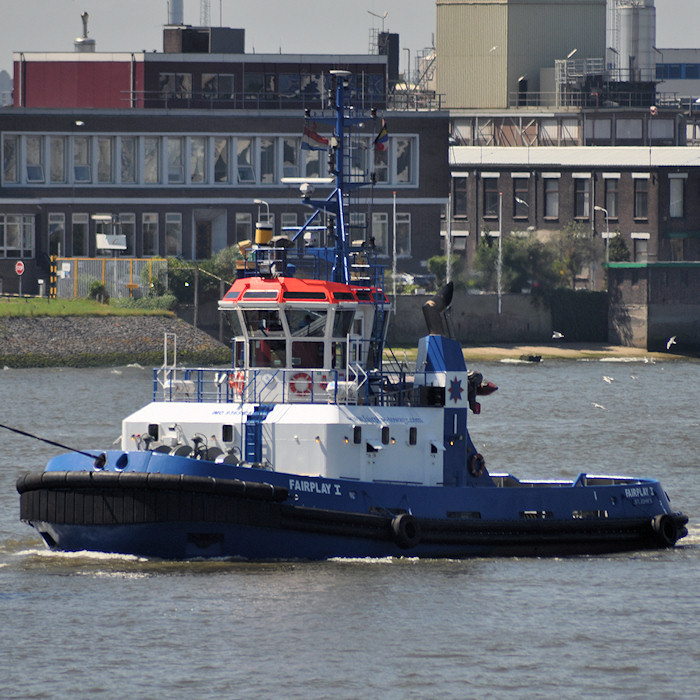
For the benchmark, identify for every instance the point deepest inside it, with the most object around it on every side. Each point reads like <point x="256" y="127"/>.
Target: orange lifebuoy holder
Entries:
<point x="477" y="464"/>
<point x="300" y="384"/>
<point x="236" y="381"/>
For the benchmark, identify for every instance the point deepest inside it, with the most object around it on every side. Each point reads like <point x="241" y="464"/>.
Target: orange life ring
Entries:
<point x="477" y="464"/>
<point x="300" y="384"/>
<point x="236" y="381"/>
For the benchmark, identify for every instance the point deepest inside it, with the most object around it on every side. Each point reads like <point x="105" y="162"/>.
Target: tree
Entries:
<point x="575" y="246"/>
<point x="618" y="250"/>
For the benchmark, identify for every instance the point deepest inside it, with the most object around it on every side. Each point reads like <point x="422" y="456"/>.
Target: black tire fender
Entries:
<point x="666" y="530"/>
<point x="406" y="530"/>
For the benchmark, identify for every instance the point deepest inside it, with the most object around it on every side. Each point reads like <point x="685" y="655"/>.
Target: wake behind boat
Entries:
<point x="312" y="445"/>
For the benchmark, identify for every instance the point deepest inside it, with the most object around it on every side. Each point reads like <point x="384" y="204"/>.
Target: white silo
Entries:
<point x="637" y="36"/>
<point x="175" y="12"/>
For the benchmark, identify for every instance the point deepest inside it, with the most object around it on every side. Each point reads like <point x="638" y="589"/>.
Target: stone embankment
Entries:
<point x="73" y="341"/>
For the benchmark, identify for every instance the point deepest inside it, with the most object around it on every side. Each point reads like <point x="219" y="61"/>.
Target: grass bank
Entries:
<point x="37" y="307"/>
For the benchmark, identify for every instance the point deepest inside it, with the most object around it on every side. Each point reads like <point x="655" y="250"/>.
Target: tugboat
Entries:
<point x="312" y="445"/>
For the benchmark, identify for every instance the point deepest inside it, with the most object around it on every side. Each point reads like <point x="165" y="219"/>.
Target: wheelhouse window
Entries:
<point x="307" y="322"/>
<point x="268" y="353"/>
<point x="308" y="354"/>
<point x="263" y="322"/>
<point x="342" y="322"/>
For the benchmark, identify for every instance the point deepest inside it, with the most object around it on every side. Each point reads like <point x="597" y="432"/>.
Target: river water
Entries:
<point x="102" y="626"/>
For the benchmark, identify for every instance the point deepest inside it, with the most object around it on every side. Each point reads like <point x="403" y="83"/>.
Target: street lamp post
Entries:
<point x="499" y="265"/>
<point x="607" y="233"/>
<point x="262" y="201"/>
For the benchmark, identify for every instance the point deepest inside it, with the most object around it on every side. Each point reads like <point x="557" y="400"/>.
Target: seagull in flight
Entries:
<point x="597" y="405"/>
<point x="556" y="335"/>
<point x="608" y="380"/>
<point x="670" y="341"/>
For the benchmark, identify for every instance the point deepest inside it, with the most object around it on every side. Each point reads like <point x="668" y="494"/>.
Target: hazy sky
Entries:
<point x="292" y="26"/>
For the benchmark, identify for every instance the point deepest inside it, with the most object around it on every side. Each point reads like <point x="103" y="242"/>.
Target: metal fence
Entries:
<point x="122" y="277"/>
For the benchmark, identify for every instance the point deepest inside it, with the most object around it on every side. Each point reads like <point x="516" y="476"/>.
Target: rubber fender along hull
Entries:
<point x="179" y="517"/>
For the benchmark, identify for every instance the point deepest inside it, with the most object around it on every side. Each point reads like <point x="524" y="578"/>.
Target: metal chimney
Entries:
<point x="175" y="12"/>
<point x="82" y="43"/>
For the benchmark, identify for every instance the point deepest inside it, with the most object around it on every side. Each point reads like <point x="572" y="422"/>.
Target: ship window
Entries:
<point x="307" y="354"/>
<point x="227" y="433"/>
<point x="260" y="295"/>
<point x="342" y="322"/>
<point x="307" y="322"/>
<point x="385" y="435"/>
<point x="413" y="435"/>
<point x="343" y="296"/>
<point x="357" y="434"/>
<point x="153" y="430"/>
<point x="338" y="357"/>
<point x="267" y="353"/>
<point x="305" y="295"/>
<point x="263" y="322"/>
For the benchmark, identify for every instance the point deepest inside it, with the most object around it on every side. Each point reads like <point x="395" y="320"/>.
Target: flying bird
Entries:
<point x="670" y="341"/>
<point x="556" y="335"/>
<point x="608" y="380"/>
<point x="597" y="405"/>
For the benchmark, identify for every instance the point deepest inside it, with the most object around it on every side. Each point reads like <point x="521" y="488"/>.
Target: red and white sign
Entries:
<point x="19" y="267"/>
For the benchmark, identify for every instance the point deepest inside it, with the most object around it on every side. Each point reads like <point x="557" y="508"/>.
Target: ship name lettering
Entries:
<point x="639" y="492"/>
<point x="314" y="487"/>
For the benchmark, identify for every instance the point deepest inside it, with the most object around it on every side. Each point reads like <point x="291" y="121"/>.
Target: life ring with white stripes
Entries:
<point x="236" y="381"/>
<point x="300" y="384"/>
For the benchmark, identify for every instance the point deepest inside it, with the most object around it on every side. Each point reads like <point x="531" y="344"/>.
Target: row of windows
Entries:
<point x="193" y="160"/>
<point x="256" y="84"/>
<point x="80" y="226"/>
<point x="678" y="71"/>
<point x="520" y="200"/>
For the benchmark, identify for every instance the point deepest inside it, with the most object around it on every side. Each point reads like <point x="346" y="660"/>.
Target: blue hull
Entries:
<point x="170" y="507"/>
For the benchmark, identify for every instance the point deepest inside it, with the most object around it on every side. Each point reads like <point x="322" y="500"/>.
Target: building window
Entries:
<point x="178" y="85"/>
<point x="57" y="234"/>
<point x="127" y="228"/>
<point x="128" y="160"/>
<point x="404" y="160"/>
<point x="17" y="236"/>
<point x="104" y="159"/>
<point x="151" y="160"/>
<point x="551" y="198"/>
<point x="582" y="193"/>
<point x="381" y="165"/>
<point x="380" y="232"/>
<point x="267" y="160"/>
<point x="290" y="157"/>
<point x="521" y="198"/>
<point x="459" y="196"/>
<point x="612" y="186"/>
<point x="218" y="86"/>
<point x="676" y="205"/>
<point x="246" y="171"/>
<point x="80" y="228"/>
<point x="221" y="159"/>
<point x="244" y="226"/>
<point x="288" y="221"/>
<point x="358" y="158"/>
<point x="357" y="226"/>
<point x="81" y="159"/>
<point x="313" y="163"/>
<point x="641" y="198"/>
<point x="198" y="162"/>
<point x="403" y="234"/>
<point x="173" y="234"/>
<point x="149" y="231"/>
<point x="176" y="163"/>
<point x="490" y="197"/>
<point x="35" y="158"/>
<point x="58" y="159"/>
<point x="641" y="249"/>
<point x="9" y="159"/>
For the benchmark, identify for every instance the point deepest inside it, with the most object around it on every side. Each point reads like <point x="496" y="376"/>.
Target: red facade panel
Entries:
<point x="71" y="84"/>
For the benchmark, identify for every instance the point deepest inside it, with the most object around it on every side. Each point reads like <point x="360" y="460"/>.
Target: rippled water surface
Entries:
<point x="87" y="625"/>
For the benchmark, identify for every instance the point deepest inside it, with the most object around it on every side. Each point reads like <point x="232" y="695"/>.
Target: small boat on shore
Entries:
<point x="313" y="444"/>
